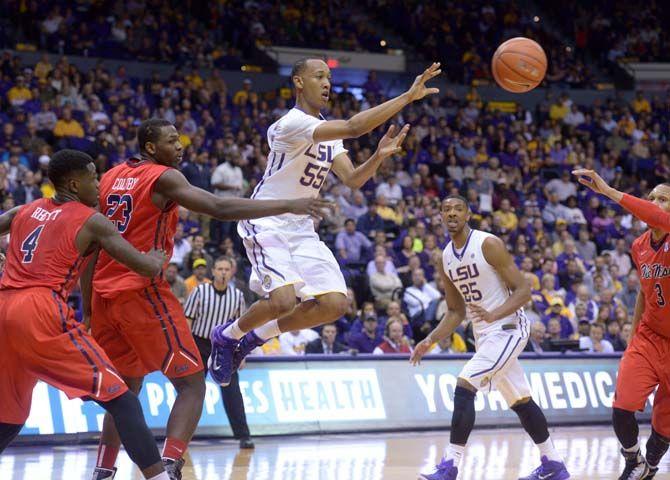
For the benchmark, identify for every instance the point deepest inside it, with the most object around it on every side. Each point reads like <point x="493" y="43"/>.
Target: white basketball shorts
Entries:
<point x="298" y="258"/>
<point x="495" y="365"/>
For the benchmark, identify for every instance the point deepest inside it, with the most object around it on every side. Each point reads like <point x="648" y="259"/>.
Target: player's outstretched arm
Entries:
<point x="174" y="186"/>
<point x="455" y="315"/>
<point x="6" y="220"/>
<point x="367" y="120"/>
<point x="355" y="178"/>
<point x="649" y="213"/>
<point x="496" y="255"/>
<point x="98" y="229"/>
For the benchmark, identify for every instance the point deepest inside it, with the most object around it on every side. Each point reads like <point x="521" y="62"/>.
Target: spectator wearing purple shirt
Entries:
<point x="367" y="339"/>
<point x="351" y="244"/>
<point x="555" y="313"/>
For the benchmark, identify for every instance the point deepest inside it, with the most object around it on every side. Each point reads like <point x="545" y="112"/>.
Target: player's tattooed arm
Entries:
<point x="496" y="254"/>
<point x="173" y="186"/>
<point x="99" y="230"/>
<point x="455" y="315"/>
<point x="355" y="178"/>
<point x="367" y="120"/>
<point x="6" y="220"/>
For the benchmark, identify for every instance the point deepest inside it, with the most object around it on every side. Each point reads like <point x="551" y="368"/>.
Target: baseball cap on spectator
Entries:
<point x="44" y="160"/>
<point x="199" y="262"/>
<point x="561" y="221"/>
<point x="557" y="301"/>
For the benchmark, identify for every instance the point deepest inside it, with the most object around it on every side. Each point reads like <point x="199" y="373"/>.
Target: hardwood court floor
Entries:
<point x="591" y="453"/>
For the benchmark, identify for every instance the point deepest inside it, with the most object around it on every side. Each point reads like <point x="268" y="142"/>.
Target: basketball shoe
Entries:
<point x="444" y="471"/>
<point x="548" y="470"/>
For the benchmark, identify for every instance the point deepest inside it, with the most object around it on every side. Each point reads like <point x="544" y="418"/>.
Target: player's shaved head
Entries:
<point x="66" y="163"/>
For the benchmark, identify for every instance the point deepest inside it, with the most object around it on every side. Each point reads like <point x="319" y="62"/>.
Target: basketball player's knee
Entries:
<point x="463" y="383"/>
<point x="193" y="385"/>
<point x="282" y="302"/>
<point x="333" y="305"/>
<point x="126" y="405"/>
<point x="621" y="416"/>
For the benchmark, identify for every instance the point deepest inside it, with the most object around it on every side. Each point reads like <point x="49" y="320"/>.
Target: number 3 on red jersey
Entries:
<point x="120" y="210"/>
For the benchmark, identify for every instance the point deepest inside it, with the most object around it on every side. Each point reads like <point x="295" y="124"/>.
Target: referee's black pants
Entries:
<point x="231" y="395"/>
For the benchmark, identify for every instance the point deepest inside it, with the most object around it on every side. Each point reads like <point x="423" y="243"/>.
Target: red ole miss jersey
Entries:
<point x="125" y="198"/>
<point x="653" y="265"/>
<point x="42" y="250"/>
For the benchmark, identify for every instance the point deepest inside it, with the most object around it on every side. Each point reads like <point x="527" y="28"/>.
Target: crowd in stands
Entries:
<point x="616" y="29"/>
<point x="221" y="34"/>
<point x="464" y="36"/>
<point x="513" y="168"/>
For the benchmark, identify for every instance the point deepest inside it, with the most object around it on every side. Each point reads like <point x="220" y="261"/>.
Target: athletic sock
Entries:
<point x="160" y="476"/>
<point x="268" y="331"/>
<point x="455" y="453"/>
<point x="548" y="450"/>
<point x="233" y="331"/>
<point x="174" y="449"/>
<point x="633" y="449"/>
<point x="106" y="456"/>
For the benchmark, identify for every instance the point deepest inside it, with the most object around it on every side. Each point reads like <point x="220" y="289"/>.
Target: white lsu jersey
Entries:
<point x="296" y="167"/>
<point x="479" y="283"/>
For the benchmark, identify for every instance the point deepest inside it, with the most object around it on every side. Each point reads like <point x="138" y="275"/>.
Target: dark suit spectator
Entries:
<point x="538" y="341"/>
<point x="371" y="222"/>
<point x="327" y="343"/>
<point x="27" y="191"/>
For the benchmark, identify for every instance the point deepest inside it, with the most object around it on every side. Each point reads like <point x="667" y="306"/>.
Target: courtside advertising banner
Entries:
<point x="352" y="394"/>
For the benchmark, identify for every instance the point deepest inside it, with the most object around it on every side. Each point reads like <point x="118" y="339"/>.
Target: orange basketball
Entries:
<point x="519" y="65"/>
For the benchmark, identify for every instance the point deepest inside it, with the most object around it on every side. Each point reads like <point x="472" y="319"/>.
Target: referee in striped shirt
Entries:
<point x="211" y="304"/>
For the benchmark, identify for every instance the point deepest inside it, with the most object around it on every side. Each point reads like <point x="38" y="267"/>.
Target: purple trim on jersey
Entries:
<point x="253" y="239"/>
<point x="253" y="250"/>
<point x="266" y="174"/>
<point x="268" y="171"/>
<point x="459" y="256"/>
<point x="497" y="361"/>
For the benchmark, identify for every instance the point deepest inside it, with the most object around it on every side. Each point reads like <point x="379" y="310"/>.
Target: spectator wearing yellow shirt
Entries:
<point x="241" y="96"/>
<point x="640" y="104"/>
<point x="199" y="275"/>
<point x="68" y="126"/>
<point x="386" y="212"/>
<point x="43" y="68"/>
<point x="507" y="219"/>
<point x="194" y="80"/>
<point x="558" y="110"/>
<point x="19" y="93"/>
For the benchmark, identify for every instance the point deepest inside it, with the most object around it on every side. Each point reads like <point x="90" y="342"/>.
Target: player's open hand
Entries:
<point x="391" y="143"/>
<point x="591" y="179"/>
<point x="310" y="206"/>
<point x="420" y="350"/>
<point x="480" y="314"/>
<point x="418" y="90"/>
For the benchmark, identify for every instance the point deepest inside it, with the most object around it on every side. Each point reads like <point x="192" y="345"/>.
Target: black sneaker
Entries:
<point x="173" y="468"/>
<point x="103" y="473"/>
<point x="636" y="466"/>
<point x="652" y="472"/>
